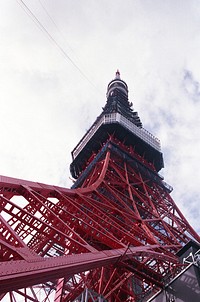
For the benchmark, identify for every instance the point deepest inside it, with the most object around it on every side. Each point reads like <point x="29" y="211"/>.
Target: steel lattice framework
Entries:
<point x="113" y="236"/>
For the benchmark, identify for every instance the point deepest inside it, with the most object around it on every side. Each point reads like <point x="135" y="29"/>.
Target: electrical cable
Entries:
<point x="54" y="23"/>
<point x="51" y="38"/>
<point x="78" y="62"/>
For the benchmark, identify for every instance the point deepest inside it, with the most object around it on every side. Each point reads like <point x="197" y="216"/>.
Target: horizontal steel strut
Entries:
<point x="16" y="273"/>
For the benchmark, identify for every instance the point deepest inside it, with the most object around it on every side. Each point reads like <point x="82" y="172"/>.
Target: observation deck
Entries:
<point x="113" y="118"/>
<point x="115" y="124"/>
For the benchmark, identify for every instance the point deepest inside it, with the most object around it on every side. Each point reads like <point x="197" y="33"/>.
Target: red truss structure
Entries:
<point x="112" y="237"/>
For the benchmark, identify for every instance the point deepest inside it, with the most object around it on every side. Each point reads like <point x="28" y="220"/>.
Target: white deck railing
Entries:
<point x="117" y="118"/>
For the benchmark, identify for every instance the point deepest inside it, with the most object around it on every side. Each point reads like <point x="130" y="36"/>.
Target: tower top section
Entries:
<point x="117" y="83"/>
<point x="118" y="120"/>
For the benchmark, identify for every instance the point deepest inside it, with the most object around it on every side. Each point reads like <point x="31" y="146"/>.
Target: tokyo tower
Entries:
<point x="114" y="236"/>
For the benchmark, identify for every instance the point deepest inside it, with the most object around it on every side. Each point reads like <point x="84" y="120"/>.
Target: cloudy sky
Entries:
<point x="56" y="59"/>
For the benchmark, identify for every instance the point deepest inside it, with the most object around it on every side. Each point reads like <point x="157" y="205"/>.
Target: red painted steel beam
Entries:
<point x="17" y="274"/>
<point x="9" y="183"/>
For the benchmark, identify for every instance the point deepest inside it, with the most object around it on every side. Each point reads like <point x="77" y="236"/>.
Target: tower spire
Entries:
<point x="117" y="74"/>
<point x="117" y="83"/>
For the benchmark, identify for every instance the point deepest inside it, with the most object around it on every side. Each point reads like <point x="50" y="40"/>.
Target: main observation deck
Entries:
<point x="140" y="139"/>
<point x="114" y="118"/>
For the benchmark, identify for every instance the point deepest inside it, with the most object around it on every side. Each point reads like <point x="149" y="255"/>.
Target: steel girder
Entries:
<point x="116" y="233"/>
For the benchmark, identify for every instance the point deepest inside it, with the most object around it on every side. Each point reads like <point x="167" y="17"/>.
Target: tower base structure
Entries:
<point x="117" y="233"/>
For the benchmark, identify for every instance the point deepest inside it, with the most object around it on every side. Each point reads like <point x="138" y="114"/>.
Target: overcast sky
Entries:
<point x="52" y="91"/>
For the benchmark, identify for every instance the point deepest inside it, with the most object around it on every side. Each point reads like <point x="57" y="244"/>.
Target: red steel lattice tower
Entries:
<point x="112" y="237"/>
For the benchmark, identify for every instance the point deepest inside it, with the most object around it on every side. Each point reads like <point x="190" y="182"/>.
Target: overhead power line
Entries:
<point x="60" y="33"/>
<point x="51" y="38"/>
<point x="54" y="23"/>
